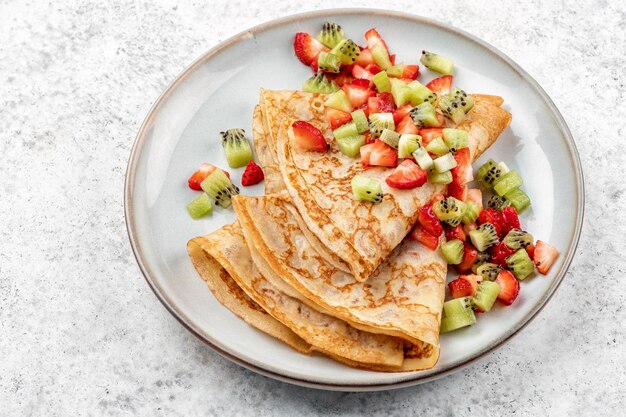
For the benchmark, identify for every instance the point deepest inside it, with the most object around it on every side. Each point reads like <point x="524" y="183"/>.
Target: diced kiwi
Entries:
<point x="366" y="189"/>
<point x="382" y="83"/>
<point x="320" y="84"/>
<point x="380" y="122"/>
<point x="339" y="100"/>
<point x="520" y="264"/>
<point x="440" y="177"/>
<point x="236" y="147"/>
<point x="470" y="212"/>
<point x="200" y="206"/>
<point x="420" y="93"/>
<point x="400" y="91"/>
<point x="351" y="145"/>
<point x="507" y="183"/>
<point x="449" y="210"/>
<point x="489" y="271"/>
<point x="452" y="251"/>
<point x="424" y="160"/>
<point x="455" y="139"/>
<point x="347" y="51"/>
<point x="345" y="130"/>
<point x="437" y="63"/>
<point x="457" y="306"/>
<point x="437" y="146"/>
<point x="503" y="167"/>
<point x="486" y="295"/>
<point x="328" y="62"/>
<point x="497" y="203"/>
<point x="518" y="239"/>
<point x="408" y="144"/>
<point x="484" y="237"/>
<point x="331" y="34"/>
<point x="481" y="259"/>
<point x="451" y="109"/>
<point x="360" y="120"/>
<point x="458" y="321"/>
<point x="445" y="163"/>
<point x="424" y="115"/>
<point x="518" y="199"/>
<point x="390" y="137"/>
<point x="219" y="186"/>
<point x="462" y="98"/>
<point x="488" y="173"/>
<point x="395" y="70"/>
<point x="381" y="57"/>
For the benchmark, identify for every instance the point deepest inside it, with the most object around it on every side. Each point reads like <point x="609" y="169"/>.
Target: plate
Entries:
<point x="219" y="91"/>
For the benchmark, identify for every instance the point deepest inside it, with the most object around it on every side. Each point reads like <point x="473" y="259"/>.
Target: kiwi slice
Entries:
<point x="424" y="160"/>
<point x="457" y="306"/>
<point x="395" y="70"/>
<point x="458" y="321"/>
<point x="381" y="57"/>
<point x="339" y="100"/>
<point x="462" y="98"/>
<point x="489" y="271"/>
<point x="424" y="115"/>
<point x="518" y="199"/>
<point x="518" y="239"/>
<point x="497" y="203"/>
<point x="380" y="122"/>
<point x="390" y="137"/>
<point x="520" y="264"/>
<point x="346" y="130"/>
<point x="507" y="183"/>
<point x="437" y="147"/>
<point x="200" y="206"/>
<point x="400" y="91"/>
<point x="360" y="120"/>
<point x="382" y="83"/>
<point x="481" y="259"/>
<point x="488" y="173"/>
<point x="331" y="34"/>
<point x="366" y="189"/>
<point x="484" y="237"/>
<point x="449" y="210"/>
<point x="408" y="144"/>
<point x="219" y="186"/>
<point x="455" y="139"/>
<point x="351" y="145"/>
<point x="320" y="84"/>
<point x="440" y="177"/>
<point x="420" y="93"/>
<point x="445" y="163"/>
<point x="236" y="147"/>
<point x="451" y="109"/>
<point x="328" y="62"/>
<point x="486" y="295"/>
<point x="470" y="212"/>
<point x="437" y="63"/>
<point x="452" y="251"/>
<point x="347" y="51"/>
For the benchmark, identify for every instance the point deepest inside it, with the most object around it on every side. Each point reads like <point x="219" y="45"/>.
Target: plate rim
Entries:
<point x="425" y="376"/>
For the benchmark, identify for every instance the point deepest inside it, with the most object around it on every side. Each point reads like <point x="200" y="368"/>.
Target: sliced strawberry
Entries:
<point x="474" y="280"/>
<point x="361" y="73"/>
<point x="392" y="58"/>
<point x="307" y="48"/>
<point x="440" y="86"/>
<point x="308" y="137"/>
<point x="475" y="195"/>
<point x="494" y="217"/>
<point x="460" y="287"/>
<point x="383" y="155"/>
<point x="427" y="218"/>
<point x="373" y="69"/>
<point x="458" y="191"/>
<point x="366" y="151"/>
<point x="462" y="173"/>
<point x="411" y="72"/>
<point x="358" y="94"/>
<point x="373" y="40"/>
<point x="344" y="77"/>
<point x="200" y="175"/>
<point x="406" y="125"/>
<point x="440" y="119"/>
<point x="530" y="250"/>
<point x="469" y="257"/>
<point x="510" y="220"/>
<point x="430" y="133"/>
<point x="544" y="256"/>
<point x="509" y="287"/>
<point x="400" y="112"/>
<point x="336" y="117"/>
<point x="455" y="232"/>
<point x="382" y="104"/>
<point x="425" y="238"/>
<point x="499" y="253"/>
<point x="365" y="58"/>
<point x="368" y="137"/>
<point x="253" y="174"/>
<point x="315" y="67"/>
<point x="407" y="175"/>
<point x="360" y="82"/>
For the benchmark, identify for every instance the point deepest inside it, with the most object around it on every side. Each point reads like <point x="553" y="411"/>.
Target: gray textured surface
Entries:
<point x="81" y="332"/>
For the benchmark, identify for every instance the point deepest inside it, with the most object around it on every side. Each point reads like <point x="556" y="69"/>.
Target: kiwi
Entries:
<point x="486" y="295"/>
<point x="503" y="167"/>
<point x="420" y="93"/>
<point x="449" y="210"/>
<point x="320" y="84"/>
<point x="366" y="189"/>
<point x="339" y="100"/>
<point x="424" y="160"/>
<point x="462" y="98"/>
<point x="507" y="183"/>
<point x="437" y="63"/>
<point x="452" y="251"/>
<point x="458" y="321"/>
<point x="489" y="271"/>
<point x="408" y="144"/>
<point x="445" y="163"/>
<point x="236" y="147"/>
<point x="380" y="122"/>
<point x="219" y="186"/>
<point x="470" y="212"/>
<point x="331" y="34"/>
<point x="437" y="147"/>
<point x="457" y="306"/>
<point x="351" y="145"/>
<point x="424" y="115"/>
<point x="400" y="91"/>
<point x="200" y="206"/>
<point x="520" y="264"/>
<point x="390" y="137"/>
<point x="360" y="120"/>
<point x="328" y="62"/>
<point x="381" y="57"/>
<point x="451" y="109"/>
<point x="484" y="237"/>
<point x="382" y="82"/>
<point x="518" y="239"/>
<point x="343" y="131"/>
<point x="347" y="51"/>
<point x="488" y="173"/>
<point x="440" y="177"/>
<point x="455" y="139"/>
<point x="481" y="259"/>
<point x="518" y="199"/>
<point x="395" y="70"/>
<point x="497" y="203"/>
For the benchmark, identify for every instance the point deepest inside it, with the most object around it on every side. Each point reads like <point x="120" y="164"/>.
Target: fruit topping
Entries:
<point x="406" y="176"/>
<point x="423" y="115"/>
<point x="452" y="251"/>
<point x="307" y="48"/>
<point x="328" y="62"/>
<point x="219" y="186"/>
<point x="200" y="206"/>
<point x="366" y="189"/>
<point x="382" y="83"/>
<point x="449" y="210"/>
<point x="382" y="154"/>
<point x="440" y="86"/>
<point x="390" y="137"/>
<point x="408" y="144"/>
<point x="347" y="51"/>
<point x="350" y="145"/>
<point x="509" y="287"/>
<point x="201" y="173"/>
<point x="360" y="121"/>
<point x="520" y="264"/>
<point x="484" y="237"/>
<point x="308" y="137"/>
<point x="253" y="174"/>
<point x="339" y="100"/>
<point x="444" y="163"/>
<point x="331" y="34"/>
<point x="486" y="295"/>
<point x="544" y="256"/>
<point x="380" y="122"/>
<point x="440" y="177"/>
<point x="437" y="63"/>
<point x="460" y="287"/>
<point x="424" y="160"/>
<point x="507" y="183"/>
<point x="425" y="238"/>
<point x="428" y="220"/>
<point x="517" y="239"/>
<point x="236" y="147"/>
<point x="489" y="271"/>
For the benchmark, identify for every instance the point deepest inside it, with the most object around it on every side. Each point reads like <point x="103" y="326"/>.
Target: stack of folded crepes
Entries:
<point x="312" y="267"/>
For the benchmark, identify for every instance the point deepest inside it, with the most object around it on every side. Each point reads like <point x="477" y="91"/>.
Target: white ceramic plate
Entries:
<point x="219" y="91"/>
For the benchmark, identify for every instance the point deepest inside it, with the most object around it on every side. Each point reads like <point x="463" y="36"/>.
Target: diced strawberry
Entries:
<point x="475" y="195"/>
<point x="509" y="287"/>
<point x="336" y="117"/>
<point x="358" y="94"/>
<point x="427" y="218"/>
<point x="253" y="174"/>
<point x="544" y="256"/>
<point x="307" y="48"/>
<point x="510" y="220"/>
<point x="365" y="151"/>
<point x="406" y="125"/>
<point x="373" y="69"/>
<point x="469" y="227"/>
<point x="314" y="66"/>
<point x="411" y="72"/>
<point x="368" y="137"/>
<point x="462" y="173"/>
<point x="365" y="58"/>
<point x="474" y="280"/>
<point x="382" y="104"/>
<point x="494" y="217"/>
<point x="469" y="257"/>
<point x="400" y="112"/>
<point x="308" y="137"/>
<point x="430" y="133"/>
<point x="344" y="77"/>
<point x="458" y="191"/>
<point x="360" y="82"/>
<point x="530" y="250"/>
<point x="440" y="119"/>
<point x="455" y="232"/>
<point x="373" y="39"/>
<point x="460" y="287"/>
<point x="425" y="238"/>
<point x="440" y="86"/>
<point x="383" y="155"/>
<point x="392" y="58"/>
<point x="200" y="175"/>
<point x="407" y="175"/>
<point x="499" y="253"/>
<point x="437" y="197"/>
<point x="359" y="72"/>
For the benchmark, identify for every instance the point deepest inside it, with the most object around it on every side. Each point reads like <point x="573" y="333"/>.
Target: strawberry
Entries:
<point x="469" y="227"/>
<point x="411" y="72"/>
<point x="469" y="257"/>
<point x="510" y="220"/>
<point x="361" y="73"/>
<point x="494" y="217"/>
<point x="357" y="93"/>
<point x="344" y="77"/>
<point x="475" y="195"/>
<point x="200" y="175"/>
<point x="383" y="155"/>
<point x="253" y="174"/>
<point x="509" y="287"/>
<point x="308" y="137"/>
<point x="429" y="221"/>
<point x="400" y="112"/>
<point x="462" y="173"/>
<point x="366" y="150"/>
<point x="373" y="40"/>
<point x="429" y="134"/>
<point x="440" y="86"/>
<point x="425" y="238"/>
<point x="544" y="256"/>
<point x="368" y="137"/>
<point x="455" y="232"/>
<point x="499" y="253"/>
<point x="440" y="119"/>
<point x="373" y="69"/>
<point x="407" y="175"/>
<point x="359" y="82"/>
<point x="336" y="117"/>
<point x="392" y="58"/>
<point x="382" y="104"/>
<point x="458" y="191"/>
<point x="474" y="280"/>
<point x="307" y="48"/>
<point x="460" y="287"/>
<point x="436" y="198"/>
<point x="406" y="125"/>
<point x="365" y="58"/>
<point x="530" y="250"/>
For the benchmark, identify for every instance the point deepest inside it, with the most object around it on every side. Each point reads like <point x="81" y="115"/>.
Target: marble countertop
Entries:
<point x="81" y="332"/>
